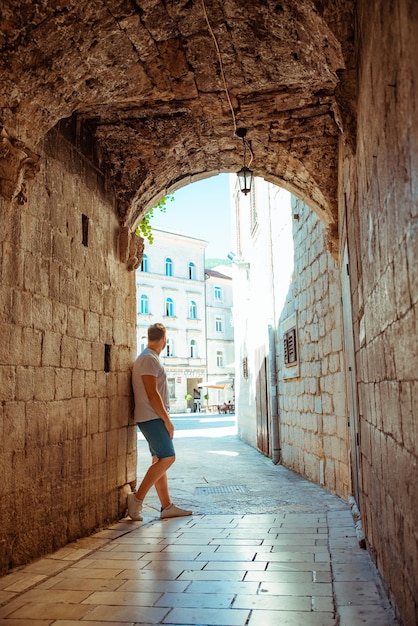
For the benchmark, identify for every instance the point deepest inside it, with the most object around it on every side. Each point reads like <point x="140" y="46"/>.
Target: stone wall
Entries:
<point x="67" y="327"/>
<point x="380" y="196"/>
<point x="312" y="402"/>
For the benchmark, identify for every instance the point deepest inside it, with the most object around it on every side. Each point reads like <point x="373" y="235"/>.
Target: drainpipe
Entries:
<point x="274" y="404"/>
<point x="273" y="395"/>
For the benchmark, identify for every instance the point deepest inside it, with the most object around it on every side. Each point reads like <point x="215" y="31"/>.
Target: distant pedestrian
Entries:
<point x="149" y="383"/>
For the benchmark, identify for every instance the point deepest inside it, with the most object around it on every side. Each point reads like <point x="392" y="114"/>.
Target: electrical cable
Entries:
<point x="244" y="140"/>
<point x="220" y="65"/>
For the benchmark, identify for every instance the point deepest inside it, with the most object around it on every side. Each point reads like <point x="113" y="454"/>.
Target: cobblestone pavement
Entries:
<point x="263" y="546"/>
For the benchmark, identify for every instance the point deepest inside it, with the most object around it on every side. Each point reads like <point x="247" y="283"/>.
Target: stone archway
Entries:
<point x="153" y="92"/>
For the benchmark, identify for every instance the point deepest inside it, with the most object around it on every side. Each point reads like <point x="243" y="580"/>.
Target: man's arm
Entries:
<point x="151" y="389"/>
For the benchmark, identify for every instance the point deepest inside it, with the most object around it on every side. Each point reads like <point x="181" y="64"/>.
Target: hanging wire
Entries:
<point x="220" y="65"/>
<point x="251" y="152"/>
<point x="244" y="140"/>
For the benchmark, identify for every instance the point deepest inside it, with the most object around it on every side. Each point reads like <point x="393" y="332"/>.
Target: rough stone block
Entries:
<point x="31" y="346"/>
<point x="401" y="280"/>
<point x="36" y="425"/>
<point x="69" y="347"/>
<point x="30" y="232"/>
<point x="54" y="283"/>
<point x="92" y="415"/>
<point x="22" y="308"/>
<point x="59" y="317"/>
<point x="405" y="344"/>
<point x="409" y="411"/>
<point x="96" y="294"/>
<point x="61" y="246"/>
<point x="99" y="449"/>
<point x="106" y="326"/>
<point x="75" y="322"/>
<point x="7" y="382"/>
<point x="327" y="404"/>
<point x="77" y="385"/>
<point x="14" y="425"/>
<point x="412" y="255"/>
<point x="5" y="332"/>
<point x="92" y="326"/>
<point x="103" y="414"/>
<point x="24" y="383"/>
<point x="36" y="279"/>
<point x="340" y="403"/>
<point x="6" y="303"/>
<point x="343" y="430"/>
<point x="329" y="473"/>
<point x="13" y="269"/>
<point x="41" y="312"/>
<point x="83" y="355"/>
<point x="76" y="427"/>
<point x="390" y="391"/>
<point x="51" y="349"/>
<point x="44" y="381"/>
<point x="68" y="288"/>
<point x="63" y="379"/>
<point x="329" y="424"/>
<point x="90" y="384"/>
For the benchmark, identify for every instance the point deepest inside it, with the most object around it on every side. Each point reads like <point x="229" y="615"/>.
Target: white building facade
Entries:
<point x="219" y="337"/>
<point x="172" y="288"/>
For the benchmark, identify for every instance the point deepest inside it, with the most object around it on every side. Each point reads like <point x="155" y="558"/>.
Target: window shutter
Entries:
<point x="289" y="345"/>
<point x="245" y="367"/>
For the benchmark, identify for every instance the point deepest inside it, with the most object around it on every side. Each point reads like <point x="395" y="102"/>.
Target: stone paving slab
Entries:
<point x="296" y="561"/>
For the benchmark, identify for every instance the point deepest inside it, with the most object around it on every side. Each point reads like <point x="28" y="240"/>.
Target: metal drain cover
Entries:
<point x="220" y="489"/>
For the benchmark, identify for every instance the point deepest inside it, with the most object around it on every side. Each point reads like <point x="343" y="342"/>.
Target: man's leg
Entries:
<point x="163" y="455"/>
<point x="168" y="508"/>
<point x="161" y="487"/>
<point x="156" y="476"/>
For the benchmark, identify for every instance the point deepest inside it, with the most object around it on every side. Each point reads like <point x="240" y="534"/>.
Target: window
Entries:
<point x="192" y="271"/>
<point x="218" y="293"/>
<point x="290" y="350"/>
<point x="171" y="384"/>
<point x="168" y="267"/>
<point x="169" y="307"/>
<point x="144" y="305"/>
<point x="85" y="230"/>
<point x="144" y="263"/>
<point x="218" y="324"/>
<point x="245" y="367"/>
<point x="219" y="358"/>
<point x="193" y="349"/>
<point x="169" y="348"/>
<point x="143" y="343"/>
<point x="106" y="365"/>
<point x="192" y="310"/>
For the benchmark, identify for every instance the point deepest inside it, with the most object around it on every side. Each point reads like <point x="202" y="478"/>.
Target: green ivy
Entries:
<point x="144" y="228"/>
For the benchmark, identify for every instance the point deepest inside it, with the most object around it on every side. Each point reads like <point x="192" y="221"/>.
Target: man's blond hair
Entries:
<point x="156" y="332"/>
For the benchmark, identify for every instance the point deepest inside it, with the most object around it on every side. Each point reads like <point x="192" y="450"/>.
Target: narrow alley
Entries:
<point x="264" y="546"/>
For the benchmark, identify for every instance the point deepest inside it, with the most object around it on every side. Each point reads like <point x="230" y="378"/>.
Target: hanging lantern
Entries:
<point x="245" y="178"/>
<point x="245" y="175"/>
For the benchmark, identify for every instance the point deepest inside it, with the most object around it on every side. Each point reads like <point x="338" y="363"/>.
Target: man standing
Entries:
<point x="149" y="383"/>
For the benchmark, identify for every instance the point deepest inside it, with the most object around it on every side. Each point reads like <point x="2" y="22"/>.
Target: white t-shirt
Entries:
<point x="148" y="363"/>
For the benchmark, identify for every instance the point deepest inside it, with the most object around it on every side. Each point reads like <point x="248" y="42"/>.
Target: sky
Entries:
<point x="202" y="210"/>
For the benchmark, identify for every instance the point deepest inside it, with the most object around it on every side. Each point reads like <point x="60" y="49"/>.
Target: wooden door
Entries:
<point x="263" y="434"/>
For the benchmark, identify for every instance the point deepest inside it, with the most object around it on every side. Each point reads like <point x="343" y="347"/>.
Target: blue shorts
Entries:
<point x="159" y="441"/>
